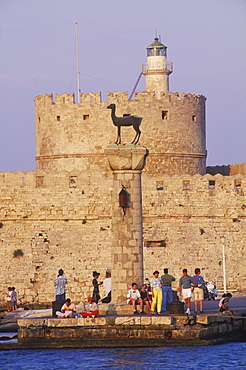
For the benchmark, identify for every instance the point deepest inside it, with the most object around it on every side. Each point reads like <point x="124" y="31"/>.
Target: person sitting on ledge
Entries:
<point x="91" y="309"/>
<point x="224" y="307"/>
<point x="67" y="310"/>
<point x="134" y="298"/>
<point x="145" y="297"/>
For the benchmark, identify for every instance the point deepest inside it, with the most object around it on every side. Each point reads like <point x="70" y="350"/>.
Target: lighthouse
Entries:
<point x="157" y="69"/>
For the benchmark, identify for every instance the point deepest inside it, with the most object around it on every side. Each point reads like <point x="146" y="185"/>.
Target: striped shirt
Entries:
<point x="60" y="285"/>
<point x="156" y="283"/>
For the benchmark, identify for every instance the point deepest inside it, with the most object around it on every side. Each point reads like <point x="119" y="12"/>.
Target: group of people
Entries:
<point x="68" y="309"/>
<point x="156" y="293"/>
<point x="11" y="299"/>
<point x="160" y="293"/>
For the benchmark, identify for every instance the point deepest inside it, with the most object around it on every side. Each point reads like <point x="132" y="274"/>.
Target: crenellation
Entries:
<point x="61" y="99"/>
<point x="90" y="98"/>
<point x="117" y="97"/>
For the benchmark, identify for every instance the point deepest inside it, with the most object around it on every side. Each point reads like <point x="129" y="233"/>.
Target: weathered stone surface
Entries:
<point x="123" y="331"/>
<point x="73" y="136"/>
<point x="78" y="222"/>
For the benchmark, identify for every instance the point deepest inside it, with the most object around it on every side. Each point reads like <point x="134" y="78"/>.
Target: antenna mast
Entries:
<point x="77" y="63"/>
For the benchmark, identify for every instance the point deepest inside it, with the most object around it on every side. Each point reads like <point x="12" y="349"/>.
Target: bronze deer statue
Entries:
<point x="134" y="121"/>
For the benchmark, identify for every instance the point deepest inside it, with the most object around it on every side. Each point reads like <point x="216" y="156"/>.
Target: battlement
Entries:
<point x="118" y="96"/>
<point x="75" y="179"/>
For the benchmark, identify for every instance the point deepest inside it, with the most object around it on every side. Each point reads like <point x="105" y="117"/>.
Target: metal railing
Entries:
<point x="169" y="68"/>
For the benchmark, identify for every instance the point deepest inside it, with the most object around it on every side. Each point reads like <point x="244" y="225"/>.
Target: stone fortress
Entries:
<point x="61" y="215"/>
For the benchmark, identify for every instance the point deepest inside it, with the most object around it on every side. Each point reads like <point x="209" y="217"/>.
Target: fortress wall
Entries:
<point x="191" y="223"/>
<point x="73" y="136"/>
<point x="63" y="220"/>
<point x="55" y="226"/>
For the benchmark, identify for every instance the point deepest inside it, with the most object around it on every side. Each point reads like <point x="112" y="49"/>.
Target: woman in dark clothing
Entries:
<point x="95" y="283"/>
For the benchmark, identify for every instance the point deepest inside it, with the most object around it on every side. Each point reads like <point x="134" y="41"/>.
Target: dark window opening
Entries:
<point x="58" y="118"/>
<point x="86" y="116"/>
<point x="211" y="184"/>
<point x="194" y="118"/>
<point x="126" y="115"/>
<point x="164" y="114"/>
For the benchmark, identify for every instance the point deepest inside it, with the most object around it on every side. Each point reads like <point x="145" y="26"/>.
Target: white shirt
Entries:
<point x="107" y="285"/>
<point x="60" y="285"/>
<point x="133" y="293"/>
<point x="91" y="307"/>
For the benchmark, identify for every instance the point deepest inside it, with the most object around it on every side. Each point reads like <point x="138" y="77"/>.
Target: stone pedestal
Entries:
<point x="126" y="162"/>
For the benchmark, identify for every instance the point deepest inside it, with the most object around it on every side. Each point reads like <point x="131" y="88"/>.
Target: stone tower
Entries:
<point x="72" y="137"/>
<point x="157" y="69"/>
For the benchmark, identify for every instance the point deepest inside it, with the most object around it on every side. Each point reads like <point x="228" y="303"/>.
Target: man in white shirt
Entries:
<point x="134" y="298"/>
<point x="60" y="286"/>
<point x="67" y="310"/>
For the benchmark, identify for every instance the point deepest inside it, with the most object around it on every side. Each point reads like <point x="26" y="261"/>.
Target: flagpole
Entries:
<point x="77" y="63"/>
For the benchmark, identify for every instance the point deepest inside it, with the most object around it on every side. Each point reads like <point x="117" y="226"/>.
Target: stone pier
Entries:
<point x="126" y="162"/>
<point x="128" y="331"/>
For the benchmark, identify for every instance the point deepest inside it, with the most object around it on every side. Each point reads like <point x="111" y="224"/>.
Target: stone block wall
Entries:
<point x="64" y="220"/>
<point x="190" y="214"/>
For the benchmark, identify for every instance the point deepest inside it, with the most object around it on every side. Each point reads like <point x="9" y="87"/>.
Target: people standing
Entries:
<point x="156" y="289"/>
<point x="13" y="299"/>
<point x="107" y="287"/>
<point x="60" y="286"/>
<point x="8" y="299"/>
<point x="167" y="293"/>
<point x="95" y="283"/>
<point x="199" y="285"/>
<point x="186" y="284"/>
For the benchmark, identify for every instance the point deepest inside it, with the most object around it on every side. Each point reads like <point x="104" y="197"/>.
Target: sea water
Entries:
<point x="221" y="357"/>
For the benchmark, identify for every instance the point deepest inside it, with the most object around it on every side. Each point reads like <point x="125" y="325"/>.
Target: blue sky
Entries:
<point x="206" y="42"/>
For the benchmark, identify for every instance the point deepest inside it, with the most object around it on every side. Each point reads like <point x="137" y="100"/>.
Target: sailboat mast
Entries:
<point x="77" y="63"/>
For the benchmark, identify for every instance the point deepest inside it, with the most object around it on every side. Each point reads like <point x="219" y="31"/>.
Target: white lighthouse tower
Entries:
<point x="157" y="69"/>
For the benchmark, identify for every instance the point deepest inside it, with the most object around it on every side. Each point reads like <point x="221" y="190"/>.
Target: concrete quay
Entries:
<point x="128" y="331"/>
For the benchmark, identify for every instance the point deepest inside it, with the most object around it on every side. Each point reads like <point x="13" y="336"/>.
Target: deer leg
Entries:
<point x="137" y="136"/>
<point x="133" y="141"/>
<point x="118" y="141"/>
<point x="139" y="133"/>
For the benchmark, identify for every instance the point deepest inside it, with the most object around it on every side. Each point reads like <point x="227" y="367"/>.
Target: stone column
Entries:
<point x="126" y="162"/>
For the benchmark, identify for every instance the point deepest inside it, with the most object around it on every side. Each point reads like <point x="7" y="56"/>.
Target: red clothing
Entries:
<point x="88" y="314"/>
